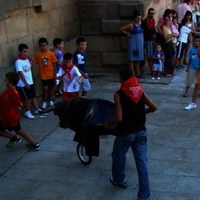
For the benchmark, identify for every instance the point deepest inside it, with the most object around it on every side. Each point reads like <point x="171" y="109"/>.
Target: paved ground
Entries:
<point x="55" y="173"/>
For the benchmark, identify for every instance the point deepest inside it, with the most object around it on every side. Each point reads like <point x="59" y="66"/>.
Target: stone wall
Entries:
<point x="25" y="21"/>
<point x="100" y="21"/>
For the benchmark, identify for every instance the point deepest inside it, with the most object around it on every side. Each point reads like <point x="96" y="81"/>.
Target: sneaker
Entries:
<point x="44" y="105"/>
<point x="152" y="78"/>
<point x="158" y="78"/>
<point x="38" y="111"/>
<point x="51" y="103"/>
<point x="13" y="141"/>
<point x="191" y="106"/>
<point x="123" y="184"/>
<point x="36" y="147"/>
<point x="29" y="115"/>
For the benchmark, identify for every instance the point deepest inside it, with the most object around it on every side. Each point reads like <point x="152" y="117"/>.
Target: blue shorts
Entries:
<point x="85" y="85"/>
<point x="157" y="67"/>
<point x="25" y="93"/>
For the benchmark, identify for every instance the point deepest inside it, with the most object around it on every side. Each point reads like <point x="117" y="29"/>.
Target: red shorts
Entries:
<point x="69" y="95"/>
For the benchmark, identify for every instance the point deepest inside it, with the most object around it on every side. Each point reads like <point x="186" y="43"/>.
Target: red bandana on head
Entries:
<point x="67" y="70"/>
<point x="132" y="89"/>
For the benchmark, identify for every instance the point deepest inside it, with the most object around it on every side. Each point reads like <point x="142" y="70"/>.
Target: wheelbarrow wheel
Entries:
<point x="81" y="152"/>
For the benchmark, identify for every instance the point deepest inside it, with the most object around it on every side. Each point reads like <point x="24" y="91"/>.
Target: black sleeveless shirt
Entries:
<point x="133" y="115"/>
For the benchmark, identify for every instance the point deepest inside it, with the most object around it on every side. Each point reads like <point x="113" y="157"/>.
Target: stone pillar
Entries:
<point x="100" y="21"/>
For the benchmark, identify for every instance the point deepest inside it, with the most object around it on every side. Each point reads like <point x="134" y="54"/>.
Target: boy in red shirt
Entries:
<point x="10" y="106"/>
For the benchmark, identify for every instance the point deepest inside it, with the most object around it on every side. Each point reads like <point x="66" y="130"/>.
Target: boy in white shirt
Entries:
<point x="71" y="77"/>
<point x="25" y="85"/>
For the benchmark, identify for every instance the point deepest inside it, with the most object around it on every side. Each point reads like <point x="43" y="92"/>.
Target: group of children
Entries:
<point x="59" y="72"/>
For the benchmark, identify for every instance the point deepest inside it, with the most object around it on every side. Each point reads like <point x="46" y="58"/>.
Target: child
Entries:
<point x="193" y="64"/>
<point x="25" y="85"/>
<point x="182" y="43"/>
<point x="79" y="59"/>
<point x="196" y="90"/>
<point x="58" y="44"/>
<point x="175" y="30"/>
<point x="158" y="57"/>
<point x="46" y="61"/>
<point x="10" y="106"/>
<point x="71" y="77"/>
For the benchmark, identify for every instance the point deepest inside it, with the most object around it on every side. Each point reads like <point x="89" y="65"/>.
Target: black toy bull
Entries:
<point x="85" y="117"/>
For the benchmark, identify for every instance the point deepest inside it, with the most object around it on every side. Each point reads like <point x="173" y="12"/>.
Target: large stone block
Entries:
<point x="70" y="45"/>
<point x="93" y="11"/>
<point x="126" y="9"/>
<point x="16" y="27"/>
<point x="112" y="26"/>
<point x="124" y="43"/>
<point x="69" y="14"/>
<point x="4" y="70"/>
<point x="108" y="43"/>
<point x="10" y="5"/>
<point x="114" y="58"/>
<point x="37" y="22"/>
<point x="3" y="35"/>
<point x="95" y="59"/>
<point x="113" y="11"/>
<point x="92" y="27"/>
<point x="61" y="3"/>
<point x="9" y="53"/>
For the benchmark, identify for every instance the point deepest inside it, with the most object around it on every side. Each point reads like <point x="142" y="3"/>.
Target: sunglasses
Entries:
<point x="151" y="13"/>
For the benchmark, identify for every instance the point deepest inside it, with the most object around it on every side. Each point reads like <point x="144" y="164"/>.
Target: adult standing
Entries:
<point x="181" y="10"/>
<point x="168" y="47"/>
<point x="130" y="132"/>
<point x="159" y="33"/>
<point x="134" y="31"/>
<point x="149" y="36"/>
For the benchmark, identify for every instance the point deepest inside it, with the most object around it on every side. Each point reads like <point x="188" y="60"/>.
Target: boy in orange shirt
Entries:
<point x="10" y="107"/>
<point x="46" y="61"/>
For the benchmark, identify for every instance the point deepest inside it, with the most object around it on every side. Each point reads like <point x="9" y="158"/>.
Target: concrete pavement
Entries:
<point x="55" y="172"/>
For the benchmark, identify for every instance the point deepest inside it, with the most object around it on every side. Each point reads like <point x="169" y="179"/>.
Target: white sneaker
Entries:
<point x="51" y="103"/>
<point x="191" y="106"/>
<point x="29" y="115"/>
<point x="152" y="78"/>
<point x="158" y="78"/>
<point x="44" y="105"/>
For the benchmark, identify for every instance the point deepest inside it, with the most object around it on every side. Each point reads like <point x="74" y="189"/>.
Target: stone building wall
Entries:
<point x="100" y="21"/>
<point x="25" y="21"/>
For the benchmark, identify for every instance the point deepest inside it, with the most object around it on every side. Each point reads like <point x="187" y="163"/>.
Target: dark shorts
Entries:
<point x="180" y="49"/>
<point x="25" y="93"/>
<point x="13" y="128"/>
<point x="49" y="82"/>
